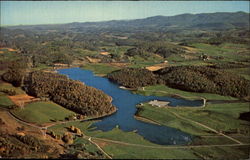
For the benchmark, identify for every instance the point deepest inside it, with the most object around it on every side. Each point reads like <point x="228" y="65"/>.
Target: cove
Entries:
<point x="126" y="102"/>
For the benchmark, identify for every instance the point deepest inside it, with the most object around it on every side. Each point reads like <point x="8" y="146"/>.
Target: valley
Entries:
<point x="83" y="90"/>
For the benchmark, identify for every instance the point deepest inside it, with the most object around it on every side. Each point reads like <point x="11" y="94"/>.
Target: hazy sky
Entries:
<point x="47" y="12"/>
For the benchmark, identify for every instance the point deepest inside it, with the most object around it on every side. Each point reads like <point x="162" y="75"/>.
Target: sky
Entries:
<point x="56" y="12"/>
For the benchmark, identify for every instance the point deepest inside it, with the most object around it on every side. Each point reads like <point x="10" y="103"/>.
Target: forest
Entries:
<point x="203" y="79"/>
<point x="133" y="78"/>
<point x="73" y="95"/>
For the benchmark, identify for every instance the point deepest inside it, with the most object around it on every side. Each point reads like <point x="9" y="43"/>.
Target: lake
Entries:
<point x="126" y="102"/>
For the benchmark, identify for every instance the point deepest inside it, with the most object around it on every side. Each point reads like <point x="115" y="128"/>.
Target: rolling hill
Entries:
<point x="218" y="20"/>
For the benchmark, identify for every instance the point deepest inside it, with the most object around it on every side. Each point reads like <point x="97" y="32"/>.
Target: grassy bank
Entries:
<point x="42" y="112"/>
<point x="5" y="101"/>
<point x="8" y="86"/>
<point x="135" y="152"/>
<point x="215" y="116"/>
<point x="114" y="134"/>
<point x="164" y="117"/>
<point x="131" y="152"/>
<point x="162" y="90"/>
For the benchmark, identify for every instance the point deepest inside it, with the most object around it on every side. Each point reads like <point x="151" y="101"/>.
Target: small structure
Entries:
<point x="159" y="103"/>
<point x="20" y="134"/>
<point x="105" y="53"/>
<point x="60" y="65"/>
<point x="93" y="60"/>
<point x="204" y="57"/>
<point x="122" y="87"/>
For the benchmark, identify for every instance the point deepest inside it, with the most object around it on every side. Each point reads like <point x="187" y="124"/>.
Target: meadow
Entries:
<point x="42" y="112"/>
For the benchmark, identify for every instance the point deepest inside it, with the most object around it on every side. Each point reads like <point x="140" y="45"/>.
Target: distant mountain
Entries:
<point x="204" y="20"/>
<point x="219" y="20"/>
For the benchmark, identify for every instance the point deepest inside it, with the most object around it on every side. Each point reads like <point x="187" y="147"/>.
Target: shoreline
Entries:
<point x="55" y="70"/>
<point x="97" y="117"/>
<point x="130" y="89"/>
<point x="143" y="119"/>
<point x="101" y="116"/>
<point x="137" y="89"/>
<point x="181" y="97"/>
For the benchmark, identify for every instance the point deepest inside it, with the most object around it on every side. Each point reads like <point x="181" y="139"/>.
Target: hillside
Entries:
<point x="71" y="94"/>
<point x="201" y="79"/>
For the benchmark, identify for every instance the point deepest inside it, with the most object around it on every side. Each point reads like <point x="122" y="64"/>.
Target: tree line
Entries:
<point x="189" y="78"/>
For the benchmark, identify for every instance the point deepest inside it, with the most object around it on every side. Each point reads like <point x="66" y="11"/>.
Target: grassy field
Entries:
<point x="100" y="68"/>
<point x="163" y="117"/>
<point x="215" y="116"/>
<point x="5" y="101"/>
<point x="162" y="90"/>
<point x="42" y="67"/>
<point x="89" y="147"/>
<point x="139" y="62"/>
<point x="7" y="55"/>
<point x="114" y="134"/>
<point x="61" y="128"/>
<point x="225" y="153"/>
<point x="116" y="50"/>
<point x="119" y="135"/>
<point x="228" y="51"/>
<point x="42" y="112"/>
<point x="128" y="152"/>
<point x="9" y="86"/>
<point x="79" y="52"/>
<point x="131" y="152"/>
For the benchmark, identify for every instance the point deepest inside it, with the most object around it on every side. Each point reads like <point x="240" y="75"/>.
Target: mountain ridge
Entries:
<point x="217" y="20"/>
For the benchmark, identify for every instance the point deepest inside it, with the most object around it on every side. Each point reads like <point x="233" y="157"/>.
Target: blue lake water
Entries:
<point x="126" y="103"/>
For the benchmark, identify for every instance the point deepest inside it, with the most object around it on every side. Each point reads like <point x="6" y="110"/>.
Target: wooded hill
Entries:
<point x="73" y="95"/>
<point x="133" y="77"/>
<point x="188" y="78"/>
